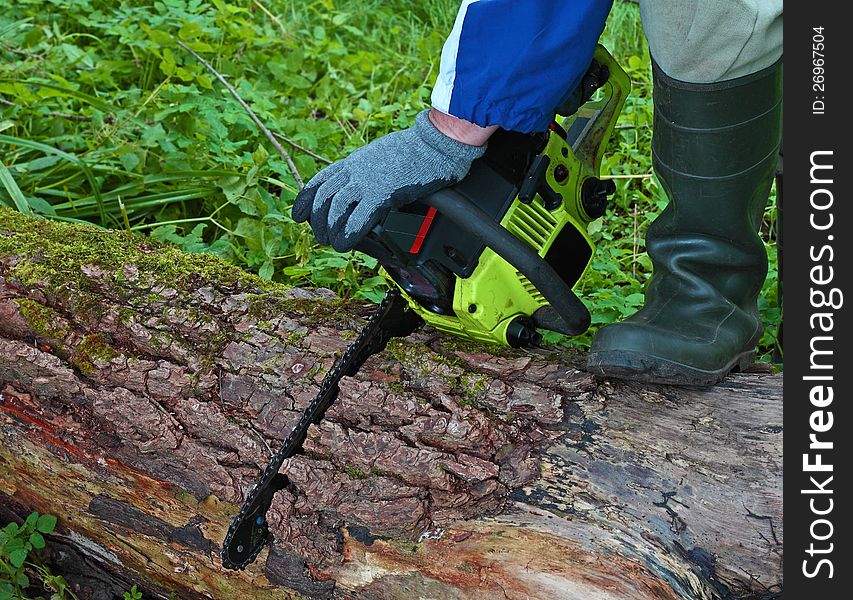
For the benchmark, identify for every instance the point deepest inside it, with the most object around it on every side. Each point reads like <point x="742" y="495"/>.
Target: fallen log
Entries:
<point x="142" y="390"/>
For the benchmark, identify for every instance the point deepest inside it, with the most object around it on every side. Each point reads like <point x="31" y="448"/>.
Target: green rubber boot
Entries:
<point x="714" y="149"/>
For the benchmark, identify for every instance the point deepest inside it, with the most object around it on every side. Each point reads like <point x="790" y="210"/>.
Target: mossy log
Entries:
<point x="142" y="390"/>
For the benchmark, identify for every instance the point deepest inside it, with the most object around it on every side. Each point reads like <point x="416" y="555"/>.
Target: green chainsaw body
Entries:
<point x="467" y="278"/>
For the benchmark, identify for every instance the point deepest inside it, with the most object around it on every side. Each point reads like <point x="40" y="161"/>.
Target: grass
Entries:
<point x="105" y="119"/>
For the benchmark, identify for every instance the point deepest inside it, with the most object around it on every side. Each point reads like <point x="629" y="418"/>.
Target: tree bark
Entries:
<point x="142" y="390"/>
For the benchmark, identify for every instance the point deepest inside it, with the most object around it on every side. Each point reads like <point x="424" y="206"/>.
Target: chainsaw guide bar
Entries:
<point x="249" y="530"/>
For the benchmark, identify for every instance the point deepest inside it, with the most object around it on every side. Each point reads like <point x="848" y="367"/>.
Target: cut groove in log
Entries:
<point x="142" y="389"/>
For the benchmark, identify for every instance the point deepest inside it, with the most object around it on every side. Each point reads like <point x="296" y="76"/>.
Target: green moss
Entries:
<point x="473" y="387"/>
<point x="95" y="346"/>
<point x="452" y="344"/>
<point x="185" y="497"/>
<point x="92" y="348"/>
<point x="397" y="387"/>
<point x="54" y="254"/>
<point x="405" y="546"/>
<point x="43" y="320"/>
<point x="295" y="338"/>
<point x="318" y="310"/>
<point x="63" y="248"/>
<point x="355" y="472"/>
<point x="418" y="358"/>
<point x="378" y="472"/>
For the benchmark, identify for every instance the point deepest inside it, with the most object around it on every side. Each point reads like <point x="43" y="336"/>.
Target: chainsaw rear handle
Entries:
<point x="526" y="261"/>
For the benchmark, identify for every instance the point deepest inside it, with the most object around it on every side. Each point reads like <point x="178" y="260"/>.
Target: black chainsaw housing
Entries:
<point x="449" y="250"/>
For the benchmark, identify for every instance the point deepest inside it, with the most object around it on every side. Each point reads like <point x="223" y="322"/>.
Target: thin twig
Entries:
<point x="303" y="148"/>
<point x="636" y="243"/>
<point x="250" y="112"/>
<point x="23" y="52"/>
<point x="69" y="116"/>
<point x="275" y="19"/>
<point x="53" y="113"/>
<point x="641" y="176"/>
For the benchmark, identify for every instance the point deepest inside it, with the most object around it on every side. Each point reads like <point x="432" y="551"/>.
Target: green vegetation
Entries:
<point x="19" y="562"/>
<point x="42" y="319"/>
<point x="133" y="594"/>
<point x="22" y="571"/>
<point x="104" y="118"/>
<point x="354" y="472"/>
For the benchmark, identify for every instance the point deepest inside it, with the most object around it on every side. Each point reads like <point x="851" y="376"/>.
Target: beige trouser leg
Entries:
<point x="706" y="41"/>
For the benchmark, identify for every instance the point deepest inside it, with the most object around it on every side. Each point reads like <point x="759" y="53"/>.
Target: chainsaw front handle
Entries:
<point x="522" y="257"/>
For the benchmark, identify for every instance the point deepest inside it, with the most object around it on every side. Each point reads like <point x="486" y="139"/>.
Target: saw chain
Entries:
<point x="249" y="530"/>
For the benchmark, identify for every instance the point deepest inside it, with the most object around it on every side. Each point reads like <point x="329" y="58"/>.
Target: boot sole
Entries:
<point x="635" y="366"/>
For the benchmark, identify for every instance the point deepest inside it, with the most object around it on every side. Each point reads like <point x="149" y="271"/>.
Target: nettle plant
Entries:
<point x="19" y="562"/>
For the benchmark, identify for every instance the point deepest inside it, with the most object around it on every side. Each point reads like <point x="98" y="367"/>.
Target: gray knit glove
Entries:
<point x="347" y="199"/>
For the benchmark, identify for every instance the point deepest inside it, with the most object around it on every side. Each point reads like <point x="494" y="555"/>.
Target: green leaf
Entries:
<point x="154" y="135"/>
<point x="283" y="73"/>
<point x="46" y="523"/>
<point x="90" y="178"/>
<point x="130" y="160"/>
<point x="15" y="192"/>
<point x="161" y="38"/>
<point x="41" y="206"/>
<point x="30" y="523"/>
<point x="23" y="580"/>
<point x="17" y="557"/>
<point x="168" y="67"/>
<point x="266" y="271"/>
<point x="184" y="74"/>
<point x="189" y="30"/>
<point x="13" y="544"/>
<point x="37" y="540"/>
<point x="72" y="53"/>
<point x="248" y="228"/>
<point x="200" y="47"/>
<point x="40" y="163"/>
<point x="50" y="89"/>
<point x="260" y="156"/>
<point x="595" y="226"/>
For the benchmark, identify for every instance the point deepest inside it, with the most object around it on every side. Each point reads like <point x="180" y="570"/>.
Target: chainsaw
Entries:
<point x="493" y="258"/>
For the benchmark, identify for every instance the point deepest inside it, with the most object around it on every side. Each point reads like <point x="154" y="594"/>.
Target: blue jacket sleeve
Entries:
<point x="511" y="62"/>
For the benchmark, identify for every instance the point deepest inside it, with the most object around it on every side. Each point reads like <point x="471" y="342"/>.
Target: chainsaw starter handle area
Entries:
<point x="518" y="254"/>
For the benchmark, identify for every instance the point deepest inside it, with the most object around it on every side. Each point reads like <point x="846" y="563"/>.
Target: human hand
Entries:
<point x="344" y="201"/>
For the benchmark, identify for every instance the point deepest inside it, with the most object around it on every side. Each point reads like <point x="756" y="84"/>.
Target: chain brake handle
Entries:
<point x="596" y="118"/>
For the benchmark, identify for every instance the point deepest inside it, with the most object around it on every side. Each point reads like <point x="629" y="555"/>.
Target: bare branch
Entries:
<point x="270" y="136"/>
<point x="303" y="148"/>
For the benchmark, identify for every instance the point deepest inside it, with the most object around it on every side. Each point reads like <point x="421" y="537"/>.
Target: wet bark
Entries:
<point x="142" y="389"/>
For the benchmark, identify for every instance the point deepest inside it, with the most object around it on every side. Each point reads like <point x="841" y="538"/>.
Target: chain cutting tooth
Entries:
<point x="400" y="322"/>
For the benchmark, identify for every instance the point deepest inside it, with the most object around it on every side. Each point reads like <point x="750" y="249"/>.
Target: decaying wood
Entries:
<point x="141" y="391"/>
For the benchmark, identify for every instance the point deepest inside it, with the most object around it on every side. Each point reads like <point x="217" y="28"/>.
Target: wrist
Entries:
<point x="460" y="129"/>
